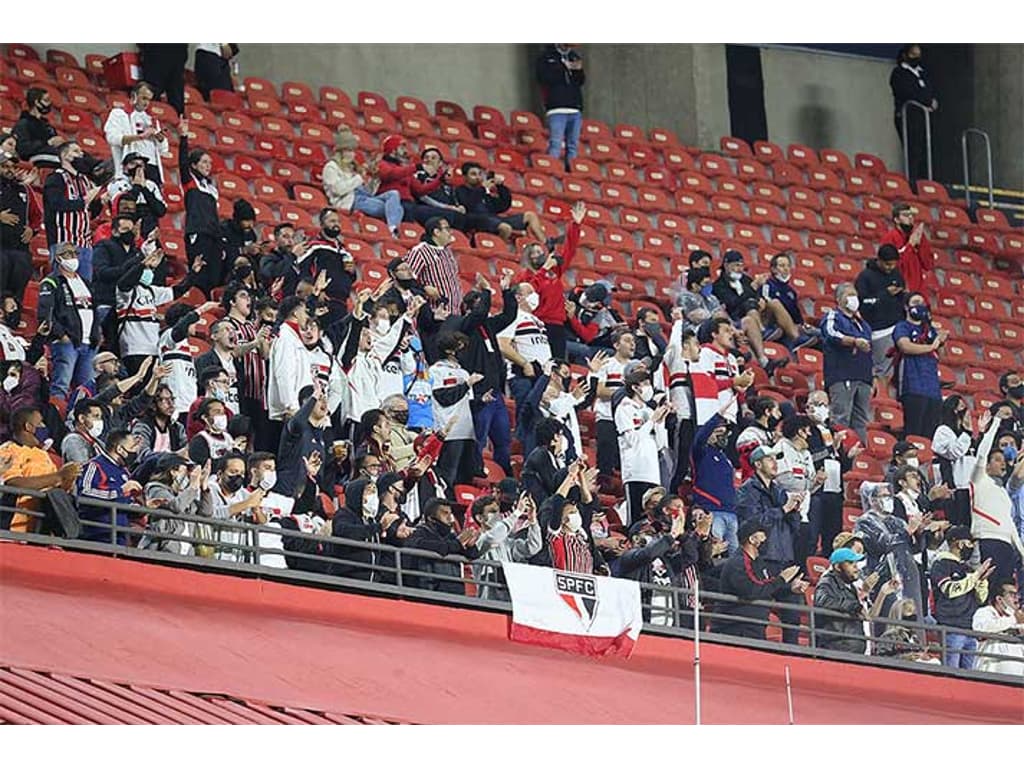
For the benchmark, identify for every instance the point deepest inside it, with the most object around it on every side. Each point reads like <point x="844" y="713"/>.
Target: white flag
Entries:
<point x="591" y="615"/>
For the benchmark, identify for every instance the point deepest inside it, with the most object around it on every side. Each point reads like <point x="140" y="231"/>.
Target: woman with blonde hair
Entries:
<point x="351" y="186"/>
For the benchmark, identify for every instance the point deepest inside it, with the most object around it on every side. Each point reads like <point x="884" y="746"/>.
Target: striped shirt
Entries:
<point x="571" y="552"/>
<point x="251" y="365"/>
<point x="611" y="377"/>
<point x="529" y="338"/>
<point x="66" y="213"/>
<point x="438" y="268"/>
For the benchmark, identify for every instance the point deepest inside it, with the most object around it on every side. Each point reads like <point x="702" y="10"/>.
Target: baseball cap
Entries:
<point x="732" y="256"/>
<point x="762" y="452"/>
<point x="748" y="528"/>
<point x="651" y="493"/>
<point x="959" y="533"/>
<point x="844" y="539"/>
<point x="508" y="487"/>
<point x="844" y="555"/>
<point x="103" y="357"/>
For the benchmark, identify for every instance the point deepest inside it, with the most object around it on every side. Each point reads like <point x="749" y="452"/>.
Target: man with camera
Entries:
<point x="484" y="196"/>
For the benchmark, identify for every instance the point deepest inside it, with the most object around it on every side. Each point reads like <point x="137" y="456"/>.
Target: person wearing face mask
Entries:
<point x="1003" y="615"/>
<point x="202" y="223"/>
<point x="23" y="386"/>
<point x="83" y="443"/>
<point x="21" y="216"/>
<point x="740" y="294"/>
<point x="132" y="187"/>
<point x="848" y="363"/>
<point x="110" y="259"/>
<point x="881" y="291"/>
<point x="760" y="432"/>
<point x="36" y="140"/>
<point x="566" y="516"/>
<point x="398" y="435"/>
<point x="784" y="303"/>
<point x="66" y="308"/>
<point x="239" y="237"/>
<point x="107" y="478"/>
<point x="70" y="201"/>
<point x="524" y="345"/>
<point x="359" y="520"/>
<point x="137" y="133"/>
<point x="697" y="301"/>
<point x="173" y="487"/>
<point x="226" y="498"/>
<point x="916" y="367"/>
<point x="681" y="359"/>
<point x="912" y="505"/>
<point x="393" y="490"/>
<point x="909" y="82"/>
<point x="713" y="484"/>
<point x="637" y="423"/>
<point x="436" y="533"/>
<point x="889" y="542"/>
<point x="992" y="522"/>
<point x="917" y="259"/>
<point x="555" y="396"/>
<point x="746" y="577"/>
<point x="959" y="590"/>
<point x="798" y="476"/>
<point x="157" y="430"/>
<point x="137" y="300"/>
<point x="544" y="466"/>
<point x="953" y="451"/>
<point x="496" y="541"/>
<point x="212" y="441"/>
<point x="1011" y="386"/>
<point x="718" y="339"/>
<point x="223" y="353"/>
<point x="831" y="455"/>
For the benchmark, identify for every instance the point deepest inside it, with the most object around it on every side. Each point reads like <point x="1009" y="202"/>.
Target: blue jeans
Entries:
<point x="959" y="651"/>
<point x="84" y="262"/>
<point x="726" y="526"/>
<point x="564" y="128"/>
<point x="519" y="387"/>
<point x="387" y="206"/>
<point x="72" y="367"/>
<point x="491" y="421"/>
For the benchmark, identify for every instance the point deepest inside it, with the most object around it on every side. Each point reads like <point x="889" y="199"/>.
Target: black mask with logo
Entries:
<point x="232" y="483"/>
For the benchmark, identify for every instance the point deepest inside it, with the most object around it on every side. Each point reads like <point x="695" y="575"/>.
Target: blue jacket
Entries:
<point x="776" y="289"/>
<point x="713" y="487"/>
<point x="756" y="501"/>
<point x="844" y="363"/>
<point x="103" y="480"/>
<point x="918" y="374"/>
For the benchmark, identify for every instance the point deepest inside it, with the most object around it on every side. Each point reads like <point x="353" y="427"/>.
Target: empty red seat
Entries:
<point x="653" y="199"/>
<point x="869" y="163"/>
<point x="232" y="185"/>
<point x="978" y="379"/>
<point x="991" y="309"/>
<point x="766" y="192"/>
<point x="292" y="91"/>
<point x="641" y="155"/>
<point x="622" y="173"/>
<point x="580" y="189"/>
<point x="713" y="165"/>
<point x="629" y="134"/>
<point x="260" y="104"/>
<point x="838" y="222"/>
<point x="71" y="77"/>
<point x="661" y="177"/>
<point x="748" y="235"/>
<point x="303" y="111"/>
<point x="894" y="186"/>
<point x="860" y="182"/>
<point x="802" y="156"/>
<point x="727" y="208"/>
<point x="664" y="137"/>
<point x="932" y="191"/>
<point x="603" y="149"/>
<point x="248" y="167"/>
<point x="656" y="242"/>
<point x="997" y="359"/>
<point x="804" y="196"/>
<point x="540" y="184"/>
<point x="709" y="229"/>
<point x="595" y="130"/>
<point x="783" y="239"/>
<point x="274" y="126"/>
<point x="983" y="241"/>
<point x="271" y="147"/>
<point x="767" y="152"/>
<point x="694" y="182"/>
<point x="880" y="444"/>
<point x="762" y="212"/>
<point x="678" y="159"/>
<point x="691" y="204"/>
<point x="824" y="179"/>
<point x="786" y="174"/>
<point x="749" y="169"/>
<point x="309" y="153"/>
<point x="671" y="223"/>
<point x="633" y="220"/>
<point x="453" y="131"/>
<point x="735" y="147"/>
<point x="836" y="160"/>
<point x="799" y="217"/>
<point x="733" y="187"/>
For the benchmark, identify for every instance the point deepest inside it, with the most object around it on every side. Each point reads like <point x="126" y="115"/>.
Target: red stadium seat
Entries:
<point x="654" y="200"/>
<point x="713" y="165"/>
<point x="871" y="164"/>
<point x="799" y="217"/>
<point x="880" y="444"/>
<point x="836" y="160"/>
<point x="734" y="147"/>
<point x="802" y="156"/>
<point x="823" y="179"/>
<point x="697" y="183"/>
<point x="664" y="137"/>
<point x="709" y="229"/>
<point x="751" y="170"/>
<point x="859" y="183"/>
<point x="727" y="208"/>
<point x="733" y="187"/>
<point x="691" y="204"/>
<point x="622" y="173"/>
<point x="894" y="186"/>
<point x="678" y="159"/>
<point x="767" y="153"/>
<point x="980" y="380"/>
<point x="804" y="196"/>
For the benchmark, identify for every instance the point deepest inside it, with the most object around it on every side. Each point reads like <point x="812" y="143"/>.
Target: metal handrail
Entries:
<point x="964" y="148"/>
<point x="927" y="135"/>
<point x="407" y="584"/>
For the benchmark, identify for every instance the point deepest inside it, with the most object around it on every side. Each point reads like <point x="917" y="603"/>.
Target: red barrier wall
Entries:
<point x="166" y="627"/>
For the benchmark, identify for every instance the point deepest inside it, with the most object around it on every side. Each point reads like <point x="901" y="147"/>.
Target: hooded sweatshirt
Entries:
<point x="351" y="522"/>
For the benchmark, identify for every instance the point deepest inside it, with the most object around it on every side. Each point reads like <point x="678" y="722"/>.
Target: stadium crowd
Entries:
<point x="518" y="418"/>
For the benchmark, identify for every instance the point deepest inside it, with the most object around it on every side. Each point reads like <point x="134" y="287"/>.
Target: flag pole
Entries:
<point x="696" y="647"/>
<point x="789" y="695"/>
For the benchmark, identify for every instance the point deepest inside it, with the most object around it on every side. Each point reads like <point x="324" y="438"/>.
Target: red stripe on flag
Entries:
<point x="596" y="647"/>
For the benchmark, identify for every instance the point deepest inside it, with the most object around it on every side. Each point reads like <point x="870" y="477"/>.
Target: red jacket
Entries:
<point x="395" y="175"/>
<point x="915" y="263"/>
<point x="548" y="283"/>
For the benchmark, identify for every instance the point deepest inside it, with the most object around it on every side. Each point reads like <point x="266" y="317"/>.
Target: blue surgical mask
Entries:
<point x="705" y="290"/>
<point x="147" y="277"/>
<point x="1010" y="452"/>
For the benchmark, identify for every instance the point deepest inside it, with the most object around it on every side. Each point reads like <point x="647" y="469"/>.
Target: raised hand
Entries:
<point x="598" y="361"/>
<point x="579" y="212"/>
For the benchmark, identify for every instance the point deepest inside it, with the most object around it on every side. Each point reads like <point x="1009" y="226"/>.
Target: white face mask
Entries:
<point x="71" y="265"/>
<point x="533" y="301"/>
<point x="220" y="422"/>
<point x="735" y="277"/>
<point x="913" y="462"/>
<point x="783" y="279"/>
<point x="269" y="480"/>
<point x="11" y="382"/>
<point x="646" y="392"/>
<point x="886" y="505"/>
<point x="370" y="506"/>
<point x="819" y="413"/>
<point x="852" y="303"/>
<point x="383" y="326"/>
<point x="574" y="522"/>
<point x="96" y="429"/>
<point x="181" y="482"/>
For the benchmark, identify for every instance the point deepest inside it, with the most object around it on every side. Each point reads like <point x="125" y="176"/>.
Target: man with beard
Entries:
<point x="436" y="534"/>
<point x="836" y="592"/>
<point x="917" y="259"/>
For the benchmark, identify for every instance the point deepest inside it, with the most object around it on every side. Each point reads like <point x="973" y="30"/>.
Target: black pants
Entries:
<point x="959" y="510"/>
<point x="457" y="462"/>
<point x="166" y="76"/>
<point x="557" y="336"/>
<point x="791" y="618"/>
<point x="607" y="448"/>
<point x="213" y="72"/>
<point x="210" y="248"/>
<point x="268" y="435"/>
<point x="829" y="518"/>
<point x="1004" y="558"/>
<point x="423" y="213"/>
<point x="683" y="443"/>
<point x="920" y="415"/>
<point x="917" y="155"/>
<point x="635" y="499"/>
<point x="15" y="272"/>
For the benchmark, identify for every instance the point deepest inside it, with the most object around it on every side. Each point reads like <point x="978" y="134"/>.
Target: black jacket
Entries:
<point x="14" y="197"/>
<point x="906" y="86"/>
<point x="200" y="197"/>
<point x="747" y="579"/>
<point x="57" y="305"/>
<point x="482" y="330"/>
<point x="561" y="87"/>
<point x="110" y="260"/>
<point x="349" y="523"/>
<point x="33" y="135"/>
<point x="736" y="304"/>
<point x="877" y="306"/>
<point x="434" y="536"/>
<point x="540" y="476"/>
<point x="755" y="500"/>
<point x="476" y="200"/>
<point x="955" y="602"/>
<point x="834" y="594"/>
<point x="299" y="438"/>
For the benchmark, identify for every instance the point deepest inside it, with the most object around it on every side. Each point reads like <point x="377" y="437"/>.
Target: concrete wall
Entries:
<point x="824" y="100"/>
<point x="998" y="107"/>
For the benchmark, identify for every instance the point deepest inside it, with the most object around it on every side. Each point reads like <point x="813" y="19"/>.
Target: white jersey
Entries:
<point x="11" y="347"/>
<point x="83" y="304"/>
<point x="274" y="507"/>
<point x="444" y="374"/>
<point x="677" y="370"/>
<point x="529" y="338"/>
<point x="136" y="314"/>
<point x="563" y="408"/>
<point x="182" y="378"/>
<point x="611" y="376"/>
<point x="723" y="369"/>
<point x="638" y="446"/>
<point x="393" y="373"/>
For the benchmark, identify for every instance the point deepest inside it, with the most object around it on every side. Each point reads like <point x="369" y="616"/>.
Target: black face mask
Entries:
<point x="773" y="422"/>
<point x="44" y="109"/>
<point x="907" y="228"/>
<point x="332" y="232"/>
<point x="242" y="271"/>
<point x="720" y="442"/>
<point x="911" y="617"/>
<point x="1016" y="392"/>
<point x="126" y="238"/>
<point x="232" y="483"/>
<point x="966" y="552"/>
<point x="405" y="282"/>
<point x="83" y="164"/>
<point x="400" y="417"/>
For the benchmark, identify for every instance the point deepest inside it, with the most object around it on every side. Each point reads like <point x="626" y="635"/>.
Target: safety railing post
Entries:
<point x="965" y="152"/>
<point x="927" y="136"/>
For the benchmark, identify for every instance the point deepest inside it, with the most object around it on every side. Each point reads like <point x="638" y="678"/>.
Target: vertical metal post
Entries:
<point x="398" y="568"/>
<point x="789" y="695"/>
<point x="964" y="150"/>
<point x="927" y="136"/>
<point x="696" y="648"/>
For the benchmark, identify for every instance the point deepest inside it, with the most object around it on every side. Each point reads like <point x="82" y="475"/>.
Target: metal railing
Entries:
<point x="927" y="136"/>
<point x="242" y="548"/>
<point x="965" y="151"/>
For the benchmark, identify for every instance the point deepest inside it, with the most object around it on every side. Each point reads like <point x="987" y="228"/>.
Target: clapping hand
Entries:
<point x="598" y="361"/>
<point x="198" y="263"/>
<point x="474" y="379"/>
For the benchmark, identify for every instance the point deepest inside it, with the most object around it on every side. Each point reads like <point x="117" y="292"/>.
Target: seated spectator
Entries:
<point x="432" y="186"/>
<point x="959" y="590"/>
<point x="137" y="133"/>
<point x="846" y="339"/>
<point x="485" y="196"/>
<point x="351" y="186"/>
<point x="593" y="321"/>
<point x="741" y="296"/>
<point x="436" y="534"/>
<point x="21" y="216"/>
<point x="917" y="367"/>
<point x="83" y="443"/>
<point x="512" y="538"/>
<point x="916" y="257"/>
<point x="106" y="478"/>
<point x="746" y="577"/>
<point x="836" y="592"/>
<point x="1004" y="616"/>
<point x="361" y="519"/>
<point x="396" y="173"/>
<point x="784" y="303"/>
<point x="1011" y="387"/>
<point x="25" y="463"/>
<point x="24" y="386"/>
